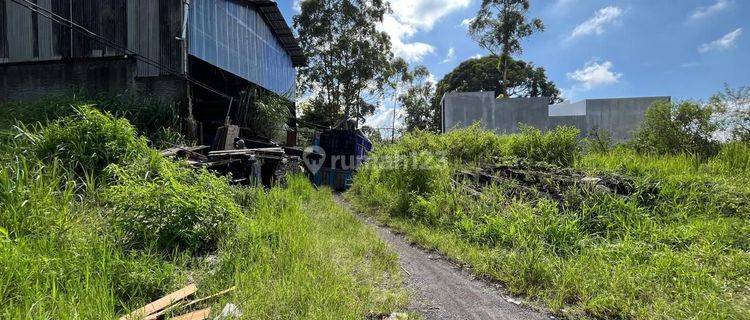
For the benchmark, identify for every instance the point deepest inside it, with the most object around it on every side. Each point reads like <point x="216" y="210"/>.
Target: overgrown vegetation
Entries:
<point x="673" y="128"/>
<point x="616" y="233"/>
<point x="93" y="223"/>
<point x="156" y="120"/>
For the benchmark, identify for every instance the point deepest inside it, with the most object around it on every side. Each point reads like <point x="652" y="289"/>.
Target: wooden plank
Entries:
<point x="161" y="303"/>
<point x="197" y="315"/>
<point x="185" y="305"/>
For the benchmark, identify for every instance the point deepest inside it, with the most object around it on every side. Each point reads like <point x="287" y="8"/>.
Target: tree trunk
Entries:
<point x="504" y="86"/>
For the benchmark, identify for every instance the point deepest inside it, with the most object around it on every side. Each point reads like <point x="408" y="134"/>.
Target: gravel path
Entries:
<point x="442" y="290"/>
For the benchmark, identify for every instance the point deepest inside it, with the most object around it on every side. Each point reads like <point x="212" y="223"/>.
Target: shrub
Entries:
<point x="152" y="117"/>
<point x="675" y="246"/>
<point x="155" y="119"/>
<point x="672" y="128"/>
<point x="474" y="144"/>
<point x="733" y="109"/>
<point x="44" y="110"/>
<point x="733" y="158"/>
<point x="406" y="176"/>
<point x="88" y="141"/>
<point x="158" y="203"/>
<point x="559" y="146"/>
<point x="599" y="141"/>
<point x="267" y="116"/>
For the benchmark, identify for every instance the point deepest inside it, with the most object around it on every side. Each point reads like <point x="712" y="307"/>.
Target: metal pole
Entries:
<point x="192" y="124"/>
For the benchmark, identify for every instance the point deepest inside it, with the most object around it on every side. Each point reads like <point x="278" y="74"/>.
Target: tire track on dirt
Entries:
<point x="442" y="290"/>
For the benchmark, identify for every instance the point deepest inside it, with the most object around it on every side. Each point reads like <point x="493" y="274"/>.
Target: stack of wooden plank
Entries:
<point x="171" y="302"/>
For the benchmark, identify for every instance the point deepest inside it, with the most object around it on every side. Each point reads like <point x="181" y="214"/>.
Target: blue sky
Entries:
<point x="686" y="49"/>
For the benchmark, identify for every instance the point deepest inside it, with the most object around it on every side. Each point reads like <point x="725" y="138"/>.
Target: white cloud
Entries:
<point x="725" y="42"/>
<point x="450" y="56"/>
<point x="383" y="118"/>
<point x="477" y="56"/>
<point x="431" y="78"/>
<point x="467" y="22"/>
<point x="412" y="51"/>
<point x="423" y="14"/>
<point x="702" y="12"/>
<point x="597" y="23"/>
<point x="594" y="74"/>
<point x="412" y="16"/>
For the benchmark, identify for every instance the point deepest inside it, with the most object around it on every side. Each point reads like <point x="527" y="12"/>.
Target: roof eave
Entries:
<point x="272" y="15"/>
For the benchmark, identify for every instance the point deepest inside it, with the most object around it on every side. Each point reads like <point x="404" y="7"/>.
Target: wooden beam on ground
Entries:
<point x="196" y="315"/>
<point x="188" y="304"/>
<point x="161" y="303"/>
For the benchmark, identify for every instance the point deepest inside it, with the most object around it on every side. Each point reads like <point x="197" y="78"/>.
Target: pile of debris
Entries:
<point x="532" y="181"/>
<point x="246" y="166"/>
<point x="174" y="302"/>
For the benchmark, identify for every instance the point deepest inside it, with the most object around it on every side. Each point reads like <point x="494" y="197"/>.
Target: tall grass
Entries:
<point x="94" y="224"/>
<point x="676" y="248"/>
<point x="58" y="260"/>
<point x="299" y="255"/>
<point x="157" y="120"/>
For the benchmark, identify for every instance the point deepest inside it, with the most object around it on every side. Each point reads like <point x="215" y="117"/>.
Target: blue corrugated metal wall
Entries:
<point x="234" y="37"/>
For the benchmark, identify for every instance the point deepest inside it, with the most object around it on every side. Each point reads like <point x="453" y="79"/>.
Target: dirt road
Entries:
<point x="442" y="290"/>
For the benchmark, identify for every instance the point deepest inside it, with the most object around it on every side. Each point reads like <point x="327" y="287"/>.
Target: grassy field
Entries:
<point x="94" y="223"/>
<point x="676" y="247"/>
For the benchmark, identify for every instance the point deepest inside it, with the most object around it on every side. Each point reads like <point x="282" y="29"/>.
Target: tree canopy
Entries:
<point x="524" y="80"/>
<point x="499" y="27"/>
<point x="416" y="98"/>
<point x="349" y="58"/>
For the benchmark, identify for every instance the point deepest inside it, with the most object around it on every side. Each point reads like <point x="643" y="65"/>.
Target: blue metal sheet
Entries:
<point x="233" y="36"/>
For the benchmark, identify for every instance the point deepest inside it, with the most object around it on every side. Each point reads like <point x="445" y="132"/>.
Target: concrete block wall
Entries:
<point x="620" y="116"/>
<point x="501" y="115"/>
<point x="29" y="81"/>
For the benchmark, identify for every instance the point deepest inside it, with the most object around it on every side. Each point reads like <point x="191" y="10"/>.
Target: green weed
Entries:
<point x="675" y="247"/>
<point x="94" y="224"/>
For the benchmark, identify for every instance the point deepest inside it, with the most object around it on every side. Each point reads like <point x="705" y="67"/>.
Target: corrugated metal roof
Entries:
<point x="271" y="13"/>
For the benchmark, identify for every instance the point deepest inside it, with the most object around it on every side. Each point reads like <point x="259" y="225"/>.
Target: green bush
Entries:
<point x="57" y="254"/>
<point x="674" y="247"/>
<point x="734" y="157"/>
<point x="157" y="120"/>
<point x="599" y="141"/>
<point x="560" y="146"/>
<point x="43" y="111"/>
<point x="267" y="116"/>
<point x="672" y="128"/>
<point x="86" y="142"/>
<point x="160" y="204"/>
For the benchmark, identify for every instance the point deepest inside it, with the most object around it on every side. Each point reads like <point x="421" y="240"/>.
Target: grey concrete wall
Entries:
<point x="31" y="81"/>
<point x="34" y="80"/>
<point x="620" y="116"/>
<point x="461" y="110"/>
<point x="510" y="112"/>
